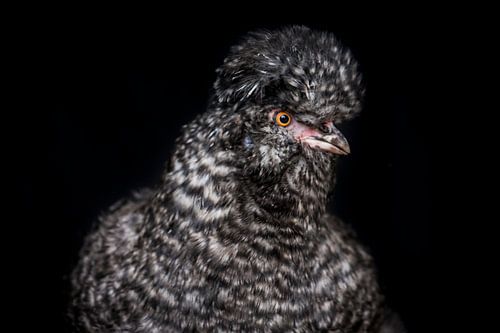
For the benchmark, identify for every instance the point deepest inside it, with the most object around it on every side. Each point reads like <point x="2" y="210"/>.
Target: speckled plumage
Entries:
<point x="236" y="237"/>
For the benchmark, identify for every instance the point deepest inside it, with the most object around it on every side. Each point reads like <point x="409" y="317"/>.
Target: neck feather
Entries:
<point x="208" y="190"/>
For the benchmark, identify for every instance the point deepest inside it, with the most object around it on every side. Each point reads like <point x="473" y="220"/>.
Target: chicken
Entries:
<point x="237" y="237"/>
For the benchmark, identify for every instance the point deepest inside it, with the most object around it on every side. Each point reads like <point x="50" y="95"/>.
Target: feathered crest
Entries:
<point x="298" y="65"/>
<point x="248" y="68"/>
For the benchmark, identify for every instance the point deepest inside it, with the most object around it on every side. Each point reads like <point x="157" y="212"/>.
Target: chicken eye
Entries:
<point x="283" y="118"/>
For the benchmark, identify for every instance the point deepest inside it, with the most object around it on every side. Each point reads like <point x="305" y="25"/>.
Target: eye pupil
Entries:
<point x="283" y="119"/>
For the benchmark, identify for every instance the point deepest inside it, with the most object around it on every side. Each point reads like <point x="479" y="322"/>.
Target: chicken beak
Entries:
<point x="334" y="142"/>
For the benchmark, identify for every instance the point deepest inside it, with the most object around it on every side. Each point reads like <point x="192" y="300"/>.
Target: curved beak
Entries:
<point x="334" y="142"/>
<point x="329" y="140"/>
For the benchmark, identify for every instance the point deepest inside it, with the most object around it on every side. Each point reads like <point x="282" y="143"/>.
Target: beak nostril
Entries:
<point x="325" y="129"/>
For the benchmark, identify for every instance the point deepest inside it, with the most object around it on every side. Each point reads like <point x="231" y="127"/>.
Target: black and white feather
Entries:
<point x="307" y="69"/>
<point x="236" y="237"/>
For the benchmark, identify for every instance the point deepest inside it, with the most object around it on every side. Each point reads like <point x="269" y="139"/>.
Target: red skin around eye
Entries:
<point x="301" y="131"/>
<point x="297" y="129"/>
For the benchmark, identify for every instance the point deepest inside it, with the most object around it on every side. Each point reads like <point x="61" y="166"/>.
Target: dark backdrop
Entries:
<point x="112" y="98"/>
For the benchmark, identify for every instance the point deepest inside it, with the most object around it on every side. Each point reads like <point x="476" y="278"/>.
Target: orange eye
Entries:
<point x="283" y="118"/>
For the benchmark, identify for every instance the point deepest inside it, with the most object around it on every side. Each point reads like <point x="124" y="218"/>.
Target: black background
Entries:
<point x="109" y="99"/>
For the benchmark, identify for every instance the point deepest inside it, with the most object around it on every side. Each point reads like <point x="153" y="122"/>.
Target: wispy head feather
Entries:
<point x="303" y="69"/>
